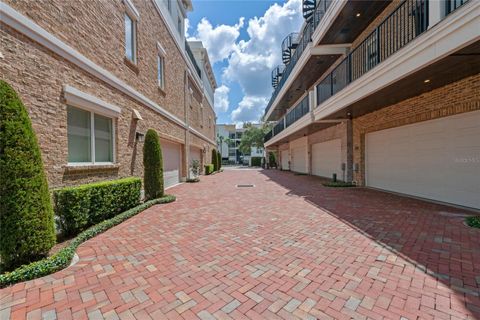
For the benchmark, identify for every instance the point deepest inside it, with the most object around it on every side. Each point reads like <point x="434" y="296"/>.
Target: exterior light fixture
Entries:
<point x="358" y="14"/>
<point x="140" y="137"/>
<point x="426" y="80"/>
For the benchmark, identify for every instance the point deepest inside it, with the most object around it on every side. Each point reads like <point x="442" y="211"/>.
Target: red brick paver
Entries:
<point x="287" y="248"/>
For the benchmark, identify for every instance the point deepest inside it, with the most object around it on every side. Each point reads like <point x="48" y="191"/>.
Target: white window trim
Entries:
<point x="92" y="143"/>
<point x="85" y="101"/>
<point x="161" y="50"/>
<point x="134" y="40"/>
<point x="131" y="10"/>
<point x="161" y="59"/>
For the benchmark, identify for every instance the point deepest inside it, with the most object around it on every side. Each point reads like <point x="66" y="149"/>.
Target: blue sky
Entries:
<point x="243" y="40"/>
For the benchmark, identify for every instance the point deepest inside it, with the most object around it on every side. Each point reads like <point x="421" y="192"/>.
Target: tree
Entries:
<point x="152" y="166"/>
<point x="219" y="160"/>
<point x="253" y="137"/>
<point x="214" y="160"/>
<point x="26" y="213"/>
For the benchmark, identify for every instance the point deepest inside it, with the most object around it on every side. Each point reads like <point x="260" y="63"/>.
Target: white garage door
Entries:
<point x="436" y="159"/>
<point x="285" y="156"/>
<point x="327" y="158"/>
<point x="171" y="163"/>
<point x="299" y="159"/>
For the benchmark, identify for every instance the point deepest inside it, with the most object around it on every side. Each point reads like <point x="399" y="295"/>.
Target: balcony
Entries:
<point x="311" y="58"/>
<point x="192" y="59"/>
<point x="442" y="55"/>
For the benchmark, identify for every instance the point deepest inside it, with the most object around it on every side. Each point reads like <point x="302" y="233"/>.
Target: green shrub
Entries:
<point x="473" y="221"/>
<point x="272" y="162"/>
<point x="215" y="160"/>
<point x="338" y="184"/>
<point x="26" y="215"/>
<point x="82" y="206"/>
<point x="153" y="166"/>
<point x="256" y="161"/>
<point x="219" y="160"/>
<point x="208" y="169"/>
<point x="63" y="258"/>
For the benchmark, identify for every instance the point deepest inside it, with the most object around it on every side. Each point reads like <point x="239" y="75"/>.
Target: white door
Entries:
<point x="437" y="159"/>
<point x="327" y="158"/>
<point x="299" y="159"/>
<point x="172" y="156"/>
<point x="285" y="159"/>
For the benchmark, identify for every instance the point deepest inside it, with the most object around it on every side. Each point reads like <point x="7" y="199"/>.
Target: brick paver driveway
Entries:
<point x="287" y="248"/>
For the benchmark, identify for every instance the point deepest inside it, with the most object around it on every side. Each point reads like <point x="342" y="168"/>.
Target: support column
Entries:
<point x="349" y="149"/>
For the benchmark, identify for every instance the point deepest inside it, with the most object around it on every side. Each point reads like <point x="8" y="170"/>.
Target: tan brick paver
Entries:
<point x="287" y="249"/>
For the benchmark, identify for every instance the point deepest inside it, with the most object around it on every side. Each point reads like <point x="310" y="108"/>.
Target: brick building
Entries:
<point x="385" y="94"/>
<point x="95" y="75"/>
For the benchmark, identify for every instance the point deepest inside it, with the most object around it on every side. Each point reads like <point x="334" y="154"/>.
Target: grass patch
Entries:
<point x="63" y="257"/>
<point x="338" y="184"/>
<point x="473" y="222"/>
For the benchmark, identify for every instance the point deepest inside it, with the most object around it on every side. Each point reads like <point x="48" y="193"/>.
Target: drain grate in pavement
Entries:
<point x="245" y="185"/>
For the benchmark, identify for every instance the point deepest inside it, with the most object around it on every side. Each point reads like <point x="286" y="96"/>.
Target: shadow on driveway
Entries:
<point x="431" y="236"/>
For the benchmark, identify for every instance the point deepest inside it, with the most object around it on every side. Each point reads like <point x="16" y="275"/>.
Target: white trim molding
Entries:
<point x="456" y="31"/>
<point x="27" y="27"/>
<point x="132" y="11"/>
<point x="77" y="98"/>
<point x="161" y="50"/>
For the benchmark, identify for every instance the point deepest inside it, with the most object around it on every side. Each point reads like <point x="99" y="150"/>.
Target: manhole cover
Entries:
<point x="245" y="185"/>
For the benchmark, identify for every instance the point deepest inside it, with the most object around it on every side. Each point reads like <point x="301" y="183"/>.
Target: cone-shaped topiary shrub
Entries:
<point x="214" y="160"/>
<point x="153" y="166"/>
<point x="219" y="160"/>
<point x="26" y="214"/>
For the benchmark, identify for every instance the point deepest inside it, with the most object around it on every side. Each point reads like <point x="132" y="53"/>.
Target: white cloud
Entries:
<point x="187" y="28"/>
<point x="250" y="109"/>
<point x="220" y="41"/>
<point x="250" y="61"/>
<point x="221" y="98"/>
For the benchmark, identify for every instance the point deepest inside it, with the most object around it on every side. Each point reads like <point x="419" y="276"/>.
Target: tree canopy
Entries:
<point x="253" y="137"/>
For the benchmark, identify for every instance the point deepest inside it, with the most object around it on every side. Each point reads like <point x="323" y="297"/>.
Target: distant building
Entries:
<point x="228" y="142"/>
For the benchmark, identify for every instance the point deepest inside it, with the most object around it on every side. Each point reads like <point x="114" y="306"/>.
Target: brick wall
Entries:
<point x="95" y="29"/>
<point x="458" y="97"/>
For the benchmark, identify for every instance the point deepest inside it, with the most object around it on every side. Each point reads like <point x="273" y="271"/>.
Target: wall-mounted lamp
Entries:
<point x="204" y="149"/>
<point x="140" y="137"/>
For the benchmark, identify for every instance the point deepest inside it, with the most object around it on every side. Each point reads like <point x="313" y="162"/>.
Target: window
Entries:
<point x="179" y="25"/>
<point x="161" y="71"/>
<point x="90" y="137"/>
<point x="130" y="38"/>
<point x="169" y="5"/>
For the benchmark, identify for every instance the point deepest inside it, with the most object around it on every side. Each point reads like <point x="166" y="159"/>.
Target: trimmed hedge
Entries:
<point x="256" y="161"/>
<point x="473" y="222"/>
<point x="215" y="160"/>
<point x="153" y="166"/>
<point x="82" y="206"/>
<point x="219" y="160"/>
<point x="26" y="214"/>
<point x="63" y="258"/>
<point x="208" y="169"/>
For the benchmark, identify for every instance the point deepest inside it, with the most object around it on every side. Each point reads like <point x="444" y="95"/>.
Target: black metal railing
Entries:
<point x="452" y="5"/>
<point x="192" y="58"/>
<point x="308" y="8"/>
<point x="278" y="127"/>
<point x="289" y="44"/>
<point x="405" y="23"/>
<point x="303" y="39"/>
<point x="277" y="74"/>
<point x="301" y="109"/>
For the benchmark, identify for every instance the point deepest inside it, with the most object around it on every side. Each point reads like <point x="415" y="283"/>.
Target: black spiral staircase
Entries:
<point x="277" y="74"/>
<point x="289" y="44"/>
<point x="308" y="8"/>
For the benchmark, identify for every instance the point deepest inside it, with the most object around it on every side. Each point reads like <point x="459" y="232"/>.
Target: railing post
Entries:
<point x="377" y="31"/>
<point x="349" y="67"/>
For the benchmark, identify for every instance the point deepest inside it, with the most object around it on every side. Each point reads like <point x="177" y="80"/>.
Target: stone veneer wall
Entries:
<point x="95" y="29"/>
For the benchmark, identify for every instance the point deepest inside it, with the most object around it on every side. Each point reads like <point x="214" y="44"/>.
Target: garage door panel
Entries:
<point x="299" y="159"/>
<point x="437" y="159"/>
<point x="327" y="158"/>
<point x="171" y="154"/>
<point x="285" y="159"/>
